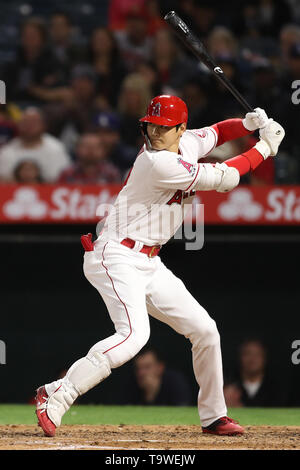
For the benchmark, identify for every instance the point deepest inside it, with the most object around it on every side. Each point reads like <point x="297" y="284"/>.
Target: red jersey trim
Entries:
<point x="123" y="303"/>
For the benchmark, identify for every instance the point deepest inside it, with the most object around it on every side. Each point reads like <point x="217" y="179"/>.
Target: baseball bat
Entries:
<point x="196" y="46"/>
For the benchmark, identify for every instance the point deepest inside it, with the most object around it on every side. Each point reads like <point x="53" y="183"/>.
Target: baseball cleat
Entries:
<point x="44" y="422"/>
<point x="224" y="427"/>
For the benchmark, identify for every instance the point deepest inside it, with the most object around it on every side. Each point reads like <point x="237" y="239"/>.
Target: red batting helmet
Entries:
<point x="166" y="110"/>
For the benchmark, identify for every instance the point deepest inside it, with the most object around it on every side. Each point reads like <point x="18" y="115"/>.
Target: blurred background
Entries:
<point x="78" y="77"/>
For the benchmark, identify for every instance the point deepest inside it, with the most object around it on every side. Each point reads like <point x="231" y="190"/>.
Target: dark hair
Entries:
<point x="66" y="16"/>
<point x="149" y="349"/>
<point x="254" y="339"/>
<point x="18" y="168"/>
<point x="37" y="23"/>
<point x="115" y="55"/>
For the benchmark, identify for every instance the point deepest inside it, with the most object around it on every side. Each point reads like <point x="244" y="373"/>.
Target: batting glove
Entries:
<point x="272" y="134"/>
<point x="256" y="120"/>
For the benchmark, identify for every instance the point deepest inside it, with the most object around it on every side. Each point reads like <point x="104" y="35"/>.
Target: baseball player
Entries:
<point x="124" y="266"/>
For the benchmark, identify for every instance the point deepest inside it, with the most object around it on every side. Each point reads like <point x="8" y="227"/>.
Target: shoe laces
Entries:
<point x="45" y="405"/>
<point x="226" y="419"/>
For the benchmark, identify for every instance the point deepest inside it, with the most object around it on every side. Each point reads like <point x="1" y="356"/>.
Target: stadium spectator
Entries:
<point x="293" y="64"/>
<point x="220" y="100"/>
<point x="155" y="384"/>
<point x="155" y="17"/>
<point x="233" y="395"/>
<point x="67" y="52"/>
<point x="107" y="125"/>
<point x="34" y="144"/>
<point x="134" y="42"/>
<point x="204" y="16"/>
<point x="35" y="64"/>
<point x="256" y="386"/>
<point x="133" y="101"/>
<point x="221" y="41"/>
<point x="289" y="35"/>
<point x="27" y="172"/>
<point x="196" y="94"/>
<point x="272" y="15"/>
<point x="173" y="67"/>
<point x="149" y="74"/>
<point x="8" y="128"/>
<point x="104" y="56"/>
<point x="118" y="11"/>
<point x="70" y="109"/>
<point x="91" y="165"/>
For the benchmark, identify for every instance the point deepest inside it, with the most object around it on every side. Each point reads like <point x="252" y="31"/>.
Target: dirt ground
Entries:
<point x="146" y="437"/>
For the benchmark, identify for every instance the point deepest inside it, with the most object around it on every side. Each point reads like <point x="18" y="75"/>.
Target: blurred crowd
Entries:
<point x="250" y="381"/>
<point x="74" y="94"/>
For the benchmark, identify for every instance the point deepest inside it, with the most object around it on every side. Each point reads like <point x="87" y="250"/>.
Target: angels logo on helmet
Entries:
<point x="156" y="109"/>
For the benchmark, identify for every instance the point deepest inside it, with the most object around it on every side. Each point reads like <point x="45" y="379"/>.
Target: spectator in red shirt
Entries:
<point x="91" y="166"/>
<point x="134" y="43"/>
<point x="118" y="11"/>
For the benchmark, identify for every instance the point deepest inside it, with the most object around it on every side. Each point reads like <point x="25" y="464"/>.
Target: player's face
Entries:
<point x="165" y="137"/>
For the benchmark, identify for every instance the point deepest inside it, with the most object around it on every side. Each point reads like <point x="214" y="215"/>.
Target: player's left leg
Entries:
<point x="169" y="301"/>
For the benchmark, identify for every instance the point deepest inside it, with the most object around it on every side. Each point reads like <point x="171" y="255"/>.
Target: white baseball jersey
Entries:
<point x="158" y="194"/>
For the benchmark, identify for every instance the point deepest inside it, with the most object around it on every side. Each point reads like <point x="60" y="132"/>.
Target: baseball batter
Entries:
<point x="124" y="266"/>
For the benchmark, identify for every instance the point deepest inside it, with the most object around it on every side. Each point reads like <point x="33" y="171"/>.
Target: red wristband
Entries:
<point x="230" y="129"/>
<point x="245" y="162"/>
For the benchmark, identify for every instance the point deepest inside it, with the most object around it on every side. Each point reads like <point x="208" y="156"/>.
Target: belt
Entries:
<point x="151" y="251"/>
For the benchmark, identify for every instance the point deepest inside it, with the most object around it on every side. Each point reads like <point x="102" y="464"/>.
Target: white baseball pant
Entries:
<point x="133" y="286"/>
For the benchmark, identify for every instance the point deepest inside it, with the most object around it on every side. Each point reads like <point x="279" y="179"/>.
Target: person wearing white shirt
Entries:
<point x="34" y="144"/>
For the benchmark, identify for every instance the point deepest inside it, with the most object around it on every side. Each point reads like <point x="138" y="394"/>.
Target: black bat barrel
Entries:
<point x="198" y="49"/>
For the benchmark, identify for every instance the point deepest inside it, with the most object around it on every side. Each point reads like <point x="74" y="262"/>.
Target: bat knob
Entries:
<point x="169" y="15"/>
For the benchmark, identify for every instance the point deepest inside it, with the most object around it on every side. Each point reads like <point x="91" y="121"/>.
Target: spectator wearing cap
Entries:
<point x="107" y="125"/>
<point x="105" y="58"/>
<point x="133" y="42"/>
<point x="91" y="165"/>
<point x="33" y="144"/>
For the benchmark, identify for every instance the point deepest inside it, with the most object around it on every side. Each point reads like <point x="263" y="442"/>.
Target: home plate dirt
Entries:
<point x="122" y="437"/>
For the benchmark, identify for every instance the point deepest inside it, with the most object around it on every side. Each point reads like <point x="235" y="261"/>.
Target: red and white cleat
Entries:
<point x="46" y="424"/>
<point x="224" y="427"/>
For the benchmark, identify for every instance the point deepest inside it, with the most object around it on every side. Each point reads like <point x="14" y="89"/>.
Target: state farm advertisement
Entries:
<point x="268" y="205"/>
